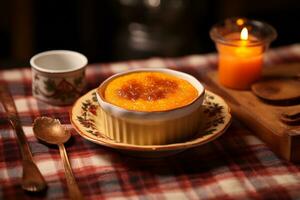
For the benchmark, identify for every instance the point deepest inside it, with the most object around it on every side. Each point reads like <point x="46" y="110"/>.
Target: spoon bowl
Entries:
<point x="51" y="131"/>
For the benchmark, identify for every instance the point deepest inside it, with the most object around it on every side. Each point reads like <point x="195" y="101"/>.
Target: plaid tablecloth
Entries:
<point x="235" y="166"/>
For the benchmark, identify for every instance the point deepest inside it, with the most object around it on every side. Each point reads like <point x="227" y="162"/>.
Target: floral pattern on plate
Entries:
<point x="86" y="112"/>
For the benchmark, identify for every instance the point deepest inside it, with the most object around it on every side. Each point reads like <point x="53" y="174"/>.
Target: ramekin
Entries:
<point x="155" y="127"/>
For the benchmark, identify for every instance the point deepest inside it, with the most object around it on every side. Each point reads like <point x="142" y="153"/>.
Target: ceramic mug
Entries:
<point x="58" y="76"/>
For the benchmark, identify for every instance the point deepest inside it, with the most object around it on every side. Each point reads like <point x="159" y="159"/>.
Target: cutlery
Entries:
<point x="51" y="131"/>
<point x="32" y="179"/>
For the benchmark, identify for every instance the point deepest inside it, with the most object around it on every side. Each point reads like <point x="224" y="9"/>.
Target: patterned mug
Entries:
<point x="58" y="76"/>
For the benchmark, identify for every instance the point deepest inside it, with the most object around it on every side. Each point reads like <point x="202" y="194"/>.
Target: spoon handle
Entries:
<point x="74" y="191"/>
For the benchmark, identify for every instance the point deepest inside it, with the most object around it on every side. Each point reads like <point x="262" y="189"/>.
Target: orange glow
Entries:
<point x="240" y="65"/>
<point x="240" y="22"/>
<point x="244" y="34"/>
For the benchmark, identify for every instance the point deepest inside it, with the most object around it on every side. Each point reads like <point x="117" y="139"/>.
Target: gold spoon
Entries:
<point x="51" y="131"/>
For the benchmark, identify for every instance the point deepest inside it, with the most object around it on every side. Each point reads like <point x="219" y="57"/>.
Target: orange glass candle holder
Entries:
<point x="241" y="44"/>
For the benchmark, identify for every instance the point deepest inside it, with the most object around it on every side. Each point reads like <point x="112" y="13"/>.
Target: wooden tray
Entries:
<point x="261" y="117"/>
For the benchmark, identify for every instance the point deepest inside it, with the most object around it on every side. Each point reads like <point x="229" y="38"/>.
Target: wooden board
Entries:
<point x="261" y="117"/>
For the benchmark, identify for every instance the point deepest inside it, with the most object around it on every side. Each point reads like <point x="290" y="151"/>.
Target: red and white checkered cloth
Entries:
<point x="235" y="166"/>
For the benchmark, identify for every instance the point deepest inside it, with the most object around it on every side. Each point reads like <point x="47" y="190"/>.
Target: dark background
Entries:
<point x="112" y="30"/>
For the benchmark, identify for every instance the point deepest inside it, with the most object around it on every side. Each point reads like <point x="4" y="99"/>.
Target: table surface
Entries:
<point x="237" y="165"/>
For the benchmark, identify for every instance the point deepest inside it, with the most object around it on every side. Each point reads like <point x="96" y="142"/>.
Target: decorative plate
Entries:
<point x="85" y="116"/>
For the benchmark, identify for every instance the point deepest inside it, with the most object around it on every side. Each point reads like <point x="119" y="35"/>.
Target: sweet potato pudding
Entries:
<point x="150" y="91"/>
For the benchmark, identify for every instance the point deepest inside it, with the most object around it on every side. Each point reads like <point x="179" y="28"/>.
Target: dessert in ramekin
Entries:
<point x="150" y="106"/>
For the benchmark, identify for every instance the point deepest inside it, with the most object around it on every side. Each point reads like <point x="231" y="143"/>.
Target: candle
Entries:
<point x="240" y="52"/>
<point x="239" y="65"/>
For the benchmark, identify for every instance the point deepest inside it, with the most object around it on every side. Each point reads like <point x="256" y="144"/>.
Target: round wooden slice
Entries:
<point x="277" y="89"/>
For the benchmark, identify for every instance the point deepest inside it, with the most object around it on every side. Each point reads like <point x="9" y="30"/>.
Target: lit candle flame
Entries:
<point x="244" y="34"/>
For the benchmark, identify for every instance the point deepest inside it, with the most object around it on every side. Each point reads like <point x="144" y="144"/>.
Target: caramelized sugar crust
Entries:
<point x="149" y="91"/>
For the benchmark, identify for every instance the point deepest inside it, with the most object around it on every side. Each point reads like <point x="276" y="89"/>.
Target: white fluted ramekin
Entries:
<point x="155" y="127"/>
